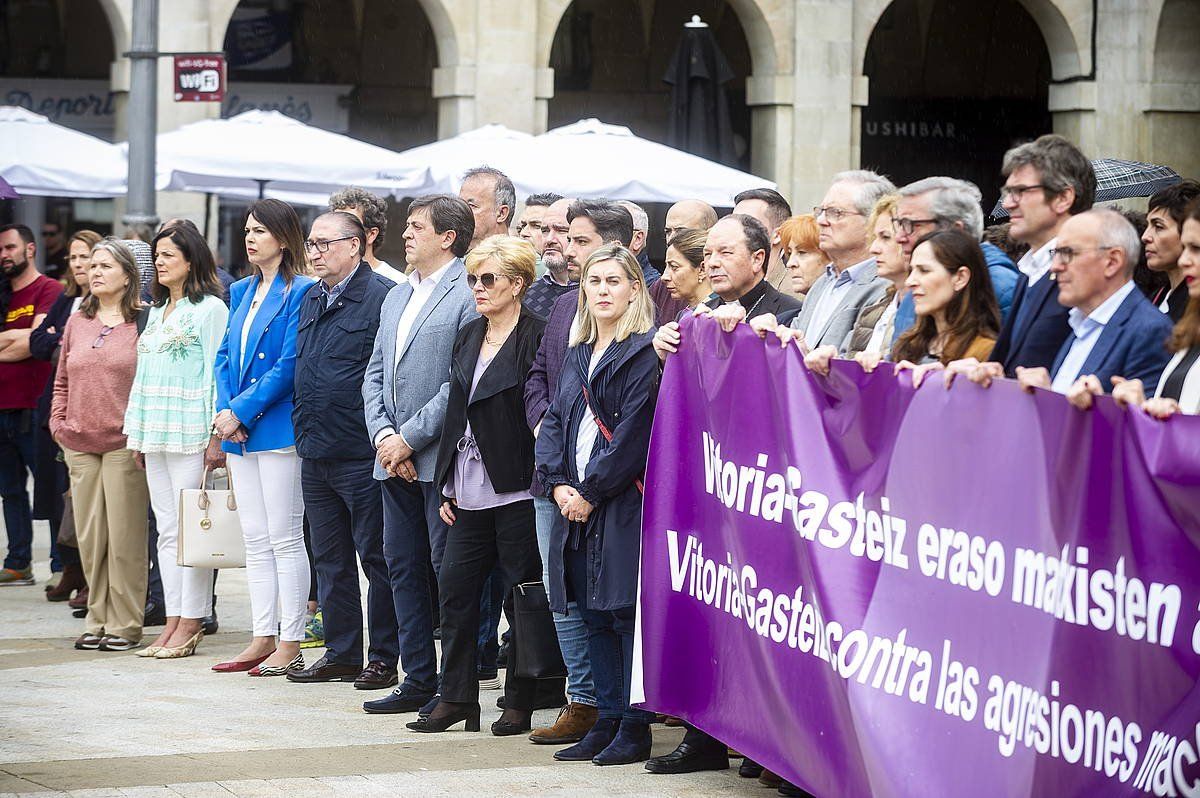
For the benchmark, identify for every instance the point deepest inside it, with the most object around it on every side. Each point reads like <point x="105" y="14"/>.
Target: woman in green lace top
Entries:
<point x="170" y="412"/>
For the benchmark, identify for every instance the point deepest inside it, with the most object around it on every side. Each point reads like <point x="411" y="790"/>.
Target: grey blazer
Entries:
<point x="410" y="395"/>
<point x="866" y="288"/>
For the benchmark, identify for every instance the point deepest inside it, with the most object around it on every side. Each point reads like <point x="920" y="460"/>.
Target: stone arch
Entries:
<point x="1066" y="41"/>
<point x="767" y="37"/>
<point x="119" y="23"/>
<point x="1175" y="24"/>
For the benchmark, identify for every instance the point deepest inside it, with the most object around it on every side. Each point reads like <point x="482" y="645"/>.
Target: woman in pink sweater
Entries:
<point x="108" y="486"/>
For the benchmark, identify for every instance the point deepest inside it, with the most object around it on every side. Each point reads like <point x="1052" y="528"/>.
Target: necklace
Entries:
<point x="750" y="312"/>
<point x="487" y="335"/>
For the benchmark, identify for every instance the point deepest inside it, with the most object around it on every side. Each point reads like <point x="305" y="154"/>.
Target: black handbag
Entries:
<point x="535" y="641"/>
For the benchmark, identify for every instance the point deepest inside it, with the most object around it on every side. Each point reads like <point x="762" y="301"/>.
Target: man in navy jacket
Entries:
<point x="339" y="319"/>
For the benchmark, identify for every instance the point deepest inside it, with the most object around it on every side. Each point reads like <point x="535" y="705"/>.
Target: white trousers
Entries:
<point x="271" y="508"/>
<point x="187" y="592"/>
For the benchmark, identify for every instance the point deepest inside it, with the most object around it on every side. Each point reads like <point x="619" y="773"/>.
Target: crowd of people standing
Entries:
<point x="466" y="428"/>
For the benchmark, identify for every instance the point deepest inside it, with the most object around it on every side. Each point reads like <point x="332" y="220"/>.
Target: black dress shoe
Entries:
<point x="325" y="671"/>
<point x="688" y="759"/>
<point x="507" y="728"/>
<point x="397" y="702"/>
<point x="376" y="676"/>
<point x="155" y="615"/>
<point x="787" y="788"/>
<point x="449" y="715"/>
<point x="750" y="769"/>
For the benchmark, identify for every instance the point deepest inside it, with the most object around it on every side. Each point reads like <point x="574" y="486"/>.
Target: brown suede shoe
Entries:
<point x="574" y="721"/>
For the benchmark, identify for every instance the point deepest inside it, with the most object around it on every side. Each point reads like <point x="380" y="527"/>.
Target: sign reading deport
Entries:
<point x="199" y="78"/>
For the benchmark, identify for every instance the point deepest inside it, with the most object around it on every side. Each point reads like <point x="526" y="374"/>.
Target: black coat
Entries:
<point x="333" y="346"/>
<point x="43" y="345"/>
<point x="1043" y="329"/>
<point x="623" y="388"/>
<point x="496" y="410"/>
<point x="765" y="298"/>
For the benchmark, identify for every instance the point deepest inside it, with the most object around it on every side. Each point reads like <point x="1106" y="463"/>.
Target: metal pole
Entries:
<point x="142" y="111"/>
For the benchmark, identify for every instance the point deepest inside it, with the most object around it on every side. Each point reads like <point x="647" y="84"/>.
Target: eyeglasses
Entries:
<point x="906" y="226"/>
<point x="487" y="278"/>
<point x="1016" y="192"/>
<point x="1067" y="254"/>
<point x="104" y="331"/>
<point x="833" y="214"/>
<point x="323" y="246"/>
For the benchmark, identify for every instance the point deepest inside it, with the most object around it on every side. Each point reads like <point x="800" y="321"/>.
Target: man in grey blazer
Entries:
<point x="850" y="281"/>
<point x="404" y="395"/>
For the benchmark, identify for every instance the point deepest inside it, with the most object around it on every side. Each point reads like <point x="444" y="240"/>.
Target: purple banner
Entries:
<point x="880" y="591"/>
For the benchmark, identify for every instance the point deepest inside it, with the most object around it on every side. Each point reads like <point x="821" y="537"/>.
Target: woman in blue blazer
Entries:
<point x="255" y="371"/>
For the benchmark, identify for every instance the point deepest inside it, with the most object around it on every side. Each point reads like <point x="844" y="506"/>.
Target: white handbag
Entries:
<point x="210" y="532"/>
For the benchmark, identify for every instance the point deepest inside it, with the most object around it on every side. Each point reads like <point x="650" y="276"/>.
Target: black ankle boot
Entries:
<point x="632" y="744"/>
<point x="592" y="743"/>
<point x="446" y="715"/>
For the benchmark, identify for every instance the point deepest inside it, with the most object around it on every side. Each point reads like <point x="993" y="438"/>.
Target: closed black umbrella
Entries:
<point x="700" y="121"/>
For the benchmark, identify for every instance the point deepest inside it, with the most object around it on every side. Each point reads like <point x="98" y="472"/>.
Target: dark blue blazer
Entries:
<point x="259" y="390"/>
<point x="333" y="346"/>
<point x="624" y="388"/>
<point x="1035" y="328"/>
<point x="1132" y="345"/>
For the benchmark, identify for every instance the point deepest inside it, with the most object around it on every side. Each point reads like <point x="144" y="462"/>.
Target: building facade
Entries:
<point x="910" y="87"/>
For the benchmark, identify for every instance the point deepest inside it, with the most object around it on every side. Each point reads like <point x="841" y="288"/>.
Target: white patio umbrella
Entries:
<point x="264" y="153"/>
<point x="491" y="145"/>
<point x="42" y="159"/>
<point x="593" y="159"/>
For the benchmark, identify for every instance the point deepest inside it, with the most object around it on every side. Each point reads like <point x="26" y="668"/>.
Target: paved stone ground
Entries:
<point x="111" y="724"/>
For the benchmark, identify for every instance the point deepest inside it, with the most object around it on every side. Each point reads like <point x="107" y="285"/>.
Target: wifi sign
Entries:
<point x="199" y="78"/>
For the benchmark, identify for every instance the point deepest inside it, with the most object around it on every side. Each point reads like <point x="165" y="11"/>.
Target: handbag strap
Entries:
<point x="230" y="501"/>
<point x="605" y="431"/>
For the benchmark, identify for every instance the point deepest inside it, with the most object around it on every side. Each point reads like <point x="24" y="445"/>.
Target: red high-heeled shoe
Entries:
<point x="239" y="665"/>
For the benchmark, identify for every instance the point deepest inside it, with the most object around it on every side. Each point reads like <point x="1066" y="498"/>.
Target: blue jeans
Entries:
<point x="610" y="645"/>
<point x="16" y="463"/>
<point x="414" y="537"/>
<point x="491" y="605"/>
<point x="572" y="631"/>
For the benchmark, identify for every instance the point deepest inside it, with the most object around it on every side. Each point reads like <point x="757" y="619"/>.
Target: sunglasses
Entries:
<point x="487" y="278"/>
<point x="104" y="331"/>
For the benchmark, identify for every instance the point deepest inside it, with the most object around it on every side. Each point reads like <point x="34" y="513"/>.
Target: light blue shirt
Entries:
<point x="1088" y="330"/>
<point x="831" y="300"/>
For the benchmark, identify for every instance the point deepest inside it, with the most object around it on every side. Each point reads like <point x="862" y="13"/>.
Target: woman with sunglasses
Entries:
<point x="484" y="469"/>
<point x="255" y="375"/>
<point x="96" y="366"/>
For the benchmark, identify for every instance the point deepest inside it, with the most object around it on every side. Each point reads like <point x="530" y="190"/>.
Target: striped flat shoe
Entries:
<point x="296" y="664"/>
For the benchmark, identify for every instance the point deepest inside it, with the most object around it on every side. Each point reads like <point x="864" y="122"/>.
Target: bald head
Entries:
<point x="689" y="214"/>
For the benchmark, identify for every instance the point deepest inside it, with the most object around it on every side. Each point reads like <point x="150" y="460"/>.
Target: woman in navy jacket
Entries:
<point x="593" y="474"/>
<point x="255" y="375"/>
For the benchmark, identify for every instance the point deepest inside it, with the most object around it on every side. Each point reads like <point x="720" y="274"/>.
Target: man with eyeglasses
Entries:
<point x="557" y="280"/>
<point x="941" y="203"/>
<point x="1115" y="330"/>
<point x="1046" y="182"/>
<point x="832" y="304"/>
<point x="339" y="319"/>
<point x="404" y="392"/>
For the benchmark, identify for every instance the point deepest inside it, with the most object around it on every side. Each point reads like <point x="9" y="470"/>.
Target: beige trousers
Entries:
<point x="111" y="500"/>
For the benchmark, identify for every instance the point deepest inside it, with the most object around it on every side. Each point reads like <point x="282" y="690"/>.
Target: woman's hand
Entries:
<point x="227" y="425"/>
<point x="918" y="371"/>
<point x="1128" y="392"/>
<point x="577" y="509"/>
<point x="140" y="459"/>
<point x="818" y="360"/>
<point x="1161" y="408"/>
<point x="213" y="456"/>
<point x="869" y="361"/>
<point x="447" y="512"/>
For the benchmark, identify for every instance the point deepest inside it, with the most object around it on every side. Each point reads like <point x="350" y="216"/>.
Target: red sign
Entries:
<point x="199" y="78"/>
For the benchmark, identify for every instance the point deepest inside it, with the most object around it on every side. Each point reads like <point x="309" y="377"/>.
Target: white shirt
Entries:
<point x="881" y="337"/>
<point x="831" y="300"/>
<point x="422" y="290"/>
<point x="254" y="306"/>
<point x="1035" y="264"/>
<point x="1087" y="331"/>
<point x="585" y="436"/>
<point x="385" y="270"/>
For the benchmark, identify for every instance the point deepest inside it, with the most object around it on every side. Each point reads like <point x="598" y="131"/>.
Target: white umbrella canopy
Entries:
<point x="593" y="159"/>
<point x="492" y="145"/>
<point x="40" y="158"/>
<point x="272" y="154"/>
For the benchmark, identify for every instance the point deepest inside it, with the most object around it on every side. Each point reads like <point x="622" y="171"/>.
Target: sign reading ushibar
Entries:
<point x="876" y="590"/>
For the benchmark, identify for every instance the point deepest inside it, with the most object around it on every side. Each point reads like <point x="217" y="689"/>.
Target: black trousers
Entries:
<point x="478" y="541"/>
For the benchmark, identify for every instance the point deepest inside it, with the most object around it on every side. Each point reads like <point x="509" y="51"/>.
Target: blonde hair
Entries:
<point x="638" y="317"/>
<point x="514" y="257"/>
<point x="888" y="204"/>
